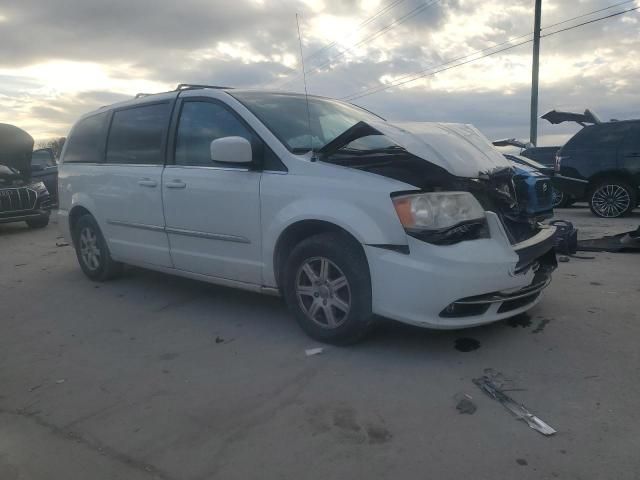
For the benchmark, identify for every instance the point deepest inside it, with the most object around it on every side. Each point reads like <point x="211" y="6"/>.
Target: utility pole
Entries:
<point x="535" y="73"/>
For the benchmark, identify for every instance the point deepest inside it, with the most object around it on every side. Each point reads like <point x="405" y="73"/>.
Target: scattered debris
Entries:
<point x="623" y="242"/>
<point x="20" y="264"/>
<point x="61" y="243"/>
<point x="543" y="323"/>
<point x="563" y="258"/>
<point x="595" y="283"/>
<point x="465" y="404"/>
<point x="465" y="344"/>
<point x="219" y="339"/>
<point x="522" y="461"/>
<point x="35" y="387"/>
<point x="565" y="238"/>
<point x="487" y="386"/>
<point x="582" y="257"/>
<point x="313" y="351"/>
<point x="60" y="381"/>
<point x="590" y="376"/>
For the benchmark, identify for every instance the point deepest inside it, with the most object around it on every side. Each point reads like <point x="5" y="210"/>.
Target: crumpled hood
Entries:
<point x="16" y="146"/>
<point x="458" y="148"/>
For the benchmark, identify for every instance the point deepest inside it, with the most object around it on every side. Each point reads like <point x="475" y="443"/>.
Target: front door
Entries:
<point x="212" y="210"/>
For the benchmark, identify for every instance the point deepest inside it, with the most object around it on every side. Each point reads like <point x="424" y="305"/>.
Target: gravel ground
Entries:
<point x="152" y="376"/>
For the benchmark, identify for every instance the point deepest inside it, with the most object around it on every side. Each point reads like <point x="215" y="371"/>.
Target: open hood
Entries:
<point x="459" y="149"/>
<point x="16" y="146"/>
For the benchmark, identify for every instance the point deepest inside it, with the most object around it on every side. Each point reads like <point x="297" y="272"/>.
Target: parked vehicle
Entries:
<point x="534" y="191"/>
<point x="45" y="169"/>
<point x="22" y="199"/>
<point x="344" y="214"/>
<point x="602" y="164"/>
<point x="543" y="155"/>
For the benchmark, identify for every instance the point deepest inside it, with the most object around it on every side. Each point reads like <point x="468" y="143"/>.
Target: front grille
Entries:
<point x="17" y="199"/>
<point x="544" y="192"/>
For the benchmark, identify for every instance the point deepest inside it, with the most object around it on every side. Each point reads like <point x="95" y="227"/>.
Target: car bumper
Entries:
<point x="575" y="187"/>
<point x="463" y="285"/>
<point x="23" y="216"/>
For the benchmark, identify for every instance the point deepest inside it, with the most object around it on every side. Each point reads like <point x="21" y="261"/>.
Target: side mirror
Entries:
<point x="231" y="150"/>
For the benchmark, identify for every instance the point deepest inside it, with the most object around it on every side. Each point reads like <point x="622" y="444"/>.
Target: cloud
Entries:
<point x="58" y="61"/>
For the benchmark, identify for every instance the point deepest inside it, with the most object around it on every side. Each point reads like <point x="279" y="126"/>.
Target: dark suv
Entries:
<point x="602" y="164"/>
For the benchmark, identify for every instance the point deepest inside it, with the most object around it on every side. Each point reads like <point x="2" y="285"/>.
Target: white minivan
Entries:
<point x="344" y="214"/>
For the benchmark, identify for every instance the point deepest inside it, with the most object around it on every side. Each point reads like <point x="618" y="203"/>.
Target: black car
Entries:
<point x="45" y="168"/>
<point x="601" y="163"/>
<point x="21" y="197"/>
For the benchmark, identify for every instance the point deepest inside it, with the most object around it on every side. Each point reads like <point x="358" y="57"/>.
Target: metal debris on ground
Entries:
<point x="563" y="258"/>
<point x="624" y="242"/>
<point x="61" y="243"/>
<point x="465" y="404"/>
<point x="313" y="351"/>
<point x="487" y="386"/>
<point x="60" y="381"/>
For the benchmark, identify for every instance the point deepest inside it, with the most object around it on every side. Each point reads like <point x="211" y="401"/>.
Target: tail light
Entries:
<point x="558" y="163"/>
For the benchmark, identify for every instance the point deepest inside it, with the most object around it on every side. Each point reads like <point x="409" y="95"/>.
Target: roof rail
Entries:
<point x="139" y="95"/>
<point x="185" y="86"/>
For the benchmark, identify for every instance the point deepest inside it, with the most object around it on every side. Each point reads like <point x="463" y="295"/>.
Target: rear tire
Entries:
<point x="40" y="222"/>
<point x="612" y="198"/>
<point x="561" y="199"/>
<point x="327" y="286"/>
<point x="92" y="251"/>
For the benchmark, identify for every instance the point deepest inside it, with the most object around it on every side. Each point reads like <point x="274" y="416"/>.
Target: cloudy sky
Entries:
<point x="61" y="58"/>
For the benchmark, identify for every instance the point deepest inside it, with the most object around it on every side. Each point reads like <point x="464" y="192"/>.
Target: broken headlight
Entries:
<point x="442" y="218"/>
<point x="38" y="187"/>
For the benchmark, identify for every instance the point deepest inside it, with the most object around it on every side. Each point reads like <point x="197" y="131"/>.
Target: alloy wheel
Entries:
<point x="556" y="197"/>
<point x="610" y="201"/>
<point x="323" y="292"/>
<point x="89" y="249"/>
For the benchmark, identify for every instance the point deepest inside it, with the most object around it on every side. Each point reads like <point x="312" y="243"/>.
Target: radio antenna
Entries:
<point x="306" y="93"/>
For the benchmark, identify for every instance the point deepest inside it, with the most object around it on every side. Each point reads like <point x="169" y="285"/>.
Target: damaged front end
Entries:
<point x="458" y="176"/>
<point x="21" y="198"/>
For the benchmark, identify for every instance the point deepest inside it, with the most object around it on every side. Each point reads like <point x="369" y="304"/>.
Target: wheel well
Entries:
<point x="74" y="216"/>
<point x="613" y="175"/>
<point x="298" y="232"/>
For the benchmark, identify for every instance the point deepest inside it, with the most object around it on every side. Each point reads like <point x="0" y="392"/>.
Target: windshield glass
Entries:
<point x="286" y="116"/>
<point x="42" y="158"/>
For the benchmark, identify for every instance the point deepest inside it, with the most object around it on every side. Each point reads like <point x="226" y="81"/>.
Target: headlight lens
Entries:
<point x="39" y="187"/>
<point x="437" y="210"/>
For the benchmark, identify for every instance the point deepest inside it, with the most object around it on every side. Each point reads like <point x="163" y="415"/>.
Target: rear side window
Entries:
<point x="599" y="136"/>
<point x="136" y="135"/>
<point x="86" y="142"/>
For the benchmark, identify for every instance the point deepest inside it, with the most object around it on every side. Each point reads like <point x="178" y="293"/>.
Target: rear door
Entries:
<point x="212" y="210"/>
<point x="630" y="152"/>
<point x="128" y="192"/>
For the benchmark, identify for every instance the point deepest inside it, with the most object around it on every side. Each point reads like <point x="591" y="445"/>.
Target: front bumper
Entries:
<point x="501" y="279"/>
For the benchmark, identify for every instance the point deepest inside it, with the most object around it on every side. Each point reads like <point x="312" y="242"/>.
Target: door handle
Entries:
<point x="147" y="182"/>
<point x="176" y="184"/>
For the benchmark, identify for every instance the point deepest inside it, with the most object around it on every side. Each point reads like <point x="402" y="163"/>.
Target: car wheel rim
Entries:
<point x="557" y="197"/>
<point x="323" y="292"/>
<point x="610" y="200"/>
<point x="89" y="250"/>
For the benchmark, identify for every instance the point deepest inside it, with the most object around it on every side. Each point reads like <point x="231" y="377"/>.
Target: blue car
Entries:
<point x="533" y="187"/>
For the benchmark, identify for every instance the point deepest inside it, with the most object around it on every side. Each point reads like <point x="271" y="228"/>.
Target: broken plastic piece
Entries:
<point x="313" y="351"/>
<point x="488" y="387"/>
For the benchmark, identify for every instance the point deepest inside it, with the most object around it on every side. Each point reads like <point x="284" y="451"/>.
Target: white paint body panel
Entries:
<point x="259" y="206"/>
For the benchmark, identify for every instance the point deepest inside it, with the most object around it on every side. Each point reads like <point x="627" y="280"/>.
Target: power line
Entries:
<point x="373" y="36"/>
<point x="359" y="27"/>
<point x="421" y="74"/>
<point x="379" y="33"/>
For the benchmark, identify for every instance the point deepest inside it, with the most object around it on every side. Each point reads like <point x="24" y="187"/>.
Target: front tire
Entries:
<point x="612" y="198"/>
<point x="40" y="222"/>
<point x="327" y="286"/>
<point x="92" y="251"/>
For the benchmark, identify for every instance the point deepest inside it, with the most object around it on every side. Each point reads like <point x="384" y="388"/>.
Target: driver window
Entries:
<point x="200" y="123"/>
